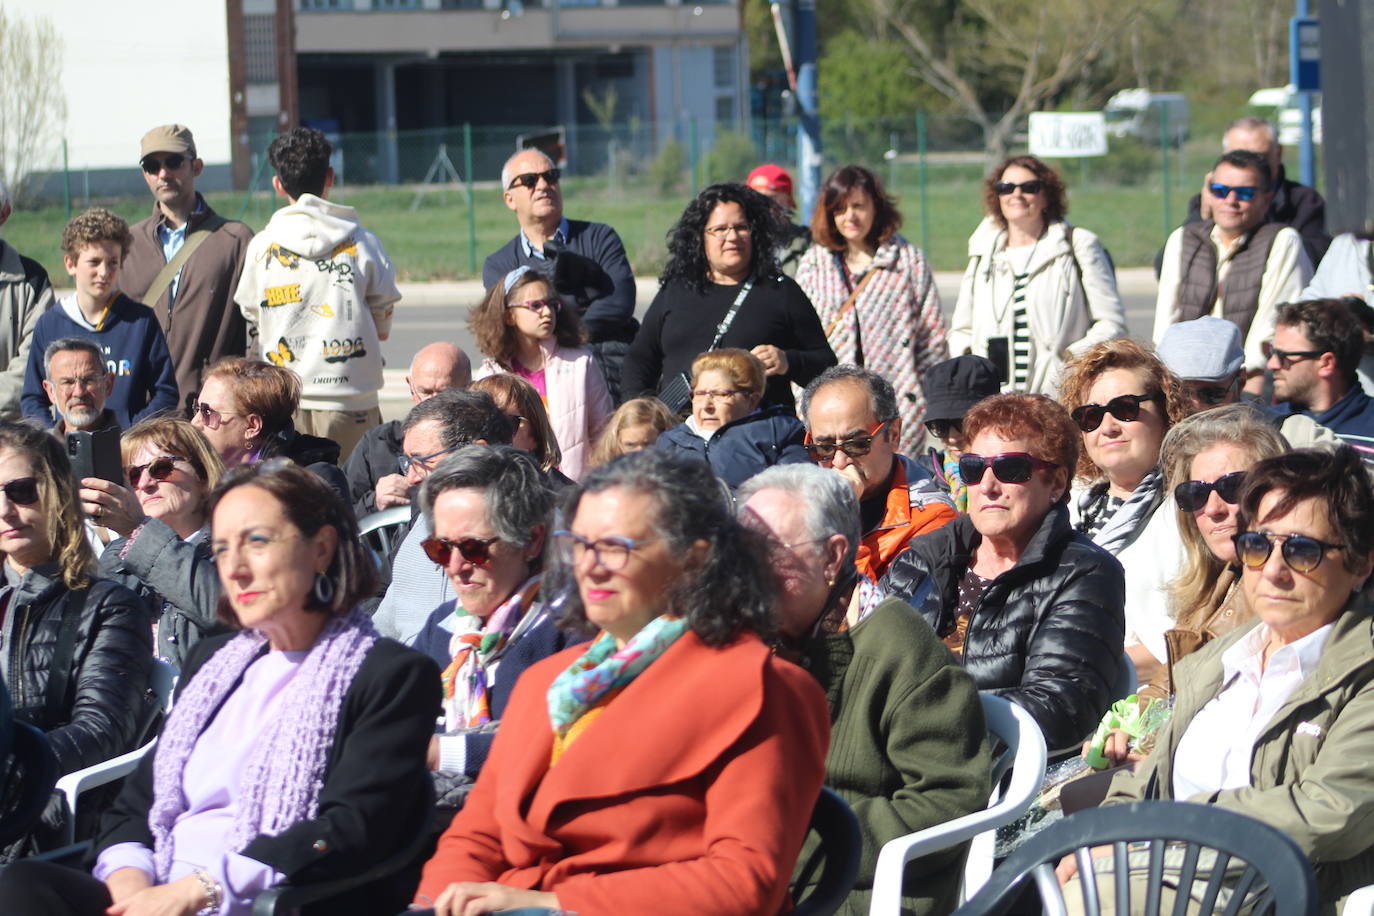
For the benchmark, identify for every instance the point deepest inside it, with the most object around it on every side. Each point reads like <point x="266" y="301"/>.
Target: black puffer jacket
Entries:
<point x="106" y="704"/>
<point x="1048" y="632"/>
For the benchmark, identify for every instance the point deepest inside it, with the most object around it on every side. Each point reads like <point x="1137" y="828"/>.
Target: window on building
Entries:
<point x="326" y="4"/>
<point x="260" y="48"/>
<point x="395" y="4"/>
<point x="725" y="109"/>
<point x="724" y="67"/>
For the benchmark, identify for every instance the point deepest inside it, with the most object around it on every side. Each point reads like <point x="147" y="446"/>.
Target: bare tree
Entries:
<point x="33" y="110"/>
<point x="999" y="60"/>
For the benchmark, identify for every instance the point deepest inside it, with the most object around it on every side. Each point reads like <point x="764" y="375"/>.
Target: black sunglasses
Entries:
<point x="1301" y="553"/>
<point x="22" y="491"/>
<point x="1004" y="188"/>
<point x="158" y="469"/>
<point x="1125" y="408"/>
<point x="941" y="429"/>
<point x="1243" y="192"/>
<point x="1192" y="495"/>
<point x="152" y="165"/>
<point x="1008" y="467"/>
<point x="1286" y="358"/>
<point x="476" y="551"/>
<point x="854" y="446"/>
<point x="530" y="179"/>
<point x="1212" y="395"/>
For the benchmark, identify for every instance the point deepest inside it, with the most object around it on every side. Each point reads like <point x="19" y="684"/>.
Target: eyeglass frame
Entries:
<point x="206" y="411"/>
<point x="552" y="303"/>
<point x="990" y="463"/>
<point x="1287" y="358"/>
<point x="722" y="232"/>
<point x="1244" y="192"/>
<point x="566" y="543"/>
<point x="404" y="461"/>
<point x="452" y="545"/>
<point x="530" y="180"/>
<point x="1008" y="188"/>
<point x="164" y="163"/>
<point x="1287" y="539"/>
<point x="134" y="472"/>
<point x="1234" y="481"/>
<point x="811" y="446"/>
<point x="1138" y="399"/>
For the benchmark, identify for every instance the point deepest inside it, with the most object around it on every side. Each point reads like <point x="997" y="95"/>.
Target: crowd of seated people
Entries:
<point x="613" y="654"/>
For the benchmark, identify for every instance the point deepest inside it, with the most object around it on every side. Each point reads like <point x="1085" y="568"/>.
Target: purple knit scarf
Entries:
<point x="286" y="771"/>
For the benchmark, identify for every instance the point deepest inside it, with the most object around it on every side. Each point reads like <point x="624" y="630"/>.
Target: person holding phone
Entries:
<point x="1037" y="289"/>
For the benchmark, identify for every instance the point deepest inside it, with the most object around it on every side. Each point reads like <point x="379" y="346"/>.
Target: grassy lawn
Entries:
<point x="1119" y="198"/>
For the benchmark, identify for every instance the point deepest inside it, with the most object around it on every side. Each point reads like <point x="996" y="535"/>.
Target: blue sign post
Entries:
<point x="1305" y="73"/>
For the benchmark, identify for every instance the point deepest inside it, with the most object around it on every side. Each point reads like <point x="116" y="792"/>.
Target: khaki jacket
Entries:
<point x="25" y="294"/>
<point x="1311" y="773"/>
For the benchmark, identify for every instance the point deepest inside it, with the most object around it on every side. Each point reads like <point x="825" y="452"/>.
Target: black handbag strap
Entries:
<point x="730" y="315"/>
<point x="60" y="672"/>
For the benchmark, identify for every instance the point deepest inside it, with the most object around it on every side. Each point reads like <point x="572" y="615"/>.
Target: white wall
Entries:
<point x="134" y="64"/>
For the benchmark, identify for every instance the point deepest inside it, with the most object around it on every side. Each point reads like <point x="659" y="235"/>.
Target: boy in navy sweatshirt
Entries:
<point x="93" y="248"/>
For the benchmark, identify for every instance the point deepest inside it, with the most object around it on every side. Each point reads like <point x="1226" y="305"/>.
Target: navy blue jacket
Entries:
<point x="744" y="447"/>
<point x="135" y="351"/>
<point x="1351" y="419"/>
<point x="535" y="644"/>
<point x="606" y="318"/>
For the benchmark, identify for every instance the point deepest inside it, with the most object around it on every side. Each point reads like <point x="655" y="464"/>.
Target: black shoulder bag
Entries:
<point x="677" y="393"/>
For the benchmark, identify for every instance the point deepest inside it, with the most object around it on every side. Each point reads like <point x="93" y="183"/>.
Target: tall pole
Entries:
<point x="1307" y="165"/>
<point x="809" y="136"/>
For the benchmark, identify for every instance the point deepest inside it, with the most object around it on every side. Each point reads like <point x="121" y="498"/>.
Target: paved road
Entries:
<point x="438" y="311"/>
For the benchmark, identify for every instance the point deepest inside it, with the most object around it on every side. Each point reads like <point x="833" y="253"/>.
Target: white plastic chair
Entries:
<point x="1360" y="902"/>
<point x="162" y="681"/>
<point x="1025" y="755"/>
<point x="382" y="526"/>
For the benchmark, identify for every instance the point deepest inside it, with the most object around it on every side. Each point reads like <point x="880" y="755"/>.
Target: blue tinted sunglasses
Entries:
<point x="1243" y="192"/>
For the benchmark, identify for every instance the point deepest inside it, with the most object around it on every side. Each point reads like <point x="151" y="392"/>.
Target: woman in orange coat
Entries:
<point x="671" y="765"/>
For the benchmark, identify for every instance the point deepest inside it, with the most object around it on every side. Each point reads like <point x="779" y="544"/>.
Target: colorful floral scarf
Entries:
<point x="465" y="681"/>
<point x="602" y="668"/>
<point x="958" y="490"/>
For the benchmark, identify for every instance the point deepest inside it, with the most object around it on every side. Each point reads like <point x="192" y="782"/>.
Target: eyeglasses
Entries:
<point x="515" y="420"/>
<point x="1005" y="188"/>
<point x="1301" y="553"/>
<point x="854" y="446"/>
<point x="720" y="232"/>
<point x="611" y="553"/>
<point x="1243" y="192"/>
<point x="1211" y="395"/>
<point x="1192" y="495"/>
<point x="85" y="381"/>
<point x="253" y="544"/>
<point x="1125" y="407"/>
<point x="715" y="394"/>
<point x="407" y="461"/>
<point x="22" y="491"/>
<point x="943" y="429"/>
<point x="476" y="551"/>
<point x="1287" y="358"/>
<point x="538" y="305"/>
<point x="152" y="165"/>
<point x="530" y="179"/>
<point x="158" y="469"/>
<point x="1008" y="467"/>
<point x="210" y="417"/>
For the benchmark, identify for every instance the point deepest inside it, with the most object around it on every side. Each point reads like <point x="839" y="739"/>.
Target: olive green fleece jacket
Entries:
<point x="908" y="745"/>
<point x="1312" y="773"/>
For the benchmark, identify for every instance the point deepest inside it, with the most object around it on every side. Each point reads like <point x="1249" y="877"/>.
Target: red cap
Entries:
<point x="772" y="177"/>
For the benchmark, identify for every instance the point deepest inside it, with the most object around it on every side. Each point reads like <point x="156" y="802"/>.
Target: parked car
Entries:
<point x="1280" y="104"/>
<point x="1142" y="114"/>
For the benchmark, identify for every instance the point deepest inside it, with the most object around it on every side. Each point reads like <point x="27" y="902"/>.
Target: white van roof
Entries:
<point x="1140" y="99"/>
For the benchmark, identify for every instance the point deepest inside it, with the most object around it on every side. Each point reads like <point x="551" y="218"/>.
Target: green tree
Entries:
<point x="33" y="109"/>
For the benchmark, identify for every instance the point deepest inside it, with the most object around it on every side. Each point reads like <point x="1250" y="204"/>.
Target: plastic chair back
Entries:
<point x="29" y="783"/>
<point x="378" y="530"/>
<point x="838" y="828"/>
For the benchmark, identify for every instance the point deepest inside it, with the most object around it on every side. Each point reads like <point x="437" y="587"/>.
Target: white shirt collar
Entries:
<point x="1244" y="657"/>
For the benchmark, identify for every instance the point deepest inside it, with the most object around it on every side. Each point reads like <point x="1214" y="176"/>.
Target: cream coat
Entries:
<point x="1066" y="316"/>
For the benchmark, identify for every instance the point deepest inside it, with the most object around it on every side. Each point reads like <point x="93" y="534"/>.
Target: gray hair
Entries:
<point x="506" y="175"/>
<point x="516" y="493"/>
<point x="62" y="344"/>
<point x="828" y="503"/>
<point x="464" y="417"/>
<point x="1250" y="122"/>
<point x="882" y="398"/>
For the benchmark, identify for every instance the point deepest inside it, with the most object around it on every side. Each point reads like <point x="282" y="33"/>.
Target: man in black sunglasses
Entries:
<point x="186" y="258"/>
<point x="1315" y="357"/>
<point x="1235" y="265"/>
<point x="588" y="261"/>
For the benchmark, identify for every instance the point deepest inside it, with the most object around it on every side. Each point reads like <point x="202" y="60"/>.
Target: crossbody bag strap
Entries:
<point x="848" y="305"/>
<point x="730" y="315"/>
<point x="60" y="670"/>
<point x="169" y="270"/>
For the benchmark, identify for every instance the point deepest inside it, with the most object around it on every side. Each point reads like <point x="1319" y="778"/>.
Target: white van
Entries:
<point x="1281" y="103"/>
<point x="1137" y="113"/>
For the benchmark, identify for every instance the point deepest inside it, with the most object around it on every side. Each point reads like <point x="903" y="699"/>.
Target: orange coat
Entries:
<point x="911" y="510"/>
<point x="690" y="793"/>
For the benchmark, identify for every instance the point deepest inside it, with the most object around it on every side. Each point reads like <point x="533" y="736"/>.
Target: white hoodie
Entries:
<point x="319" y="289"/>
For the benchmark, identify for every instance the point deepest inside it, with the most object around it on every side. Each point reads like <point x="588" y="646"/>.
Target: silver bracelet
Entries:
<point x="214" y="893"/>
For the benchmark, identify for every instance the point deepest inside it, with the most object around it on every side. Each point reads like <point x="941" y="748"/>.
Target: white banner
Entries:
<point x="1068" y="134"/>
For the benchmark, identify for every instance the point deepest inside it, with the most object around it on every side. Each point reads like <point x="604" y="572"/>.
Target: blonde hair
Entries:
<point x="511" y="391"/>
<point x="261" y="388"/>
<point x="62" y="521"/>
<point x="181" y="439"/>
<point x="1235" y="424"/>
<point x="635" y="412"/>
<point x="744" y="368"/>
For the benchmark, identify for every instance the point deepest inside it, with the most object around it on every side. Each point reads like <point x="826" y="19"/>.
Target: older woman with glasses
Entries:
<point x="1037" y="290"/>
<point x="727" y="428"/>
<point x="488" y="509"/>
<point x="1032" y="608"/>
<point x="639" y="774"/>
<point x="1276" y="719"/>
<point x="1124" y="400"/>
<point x="162" y="519"/>
<point x="722" y="287"/>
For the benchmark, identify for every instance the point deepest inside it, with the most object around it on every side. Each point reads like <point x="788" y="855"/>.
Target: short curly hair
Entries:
<point x="768" y="229"/>
<point x="497" y="339"/>
<point x="844" y="180"/>
<point x="744" y="368"/>
<point x="1053" y="190"/>
<point x="1040" y="420"/>
<point x="300" y="158"/>
<point x="95" y="225"/>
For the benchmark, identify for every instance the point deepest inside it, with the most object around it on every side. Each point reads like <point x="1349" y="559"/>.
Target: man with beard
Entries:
<point x="1315" y="355"/>
<point x="78" y="382"/>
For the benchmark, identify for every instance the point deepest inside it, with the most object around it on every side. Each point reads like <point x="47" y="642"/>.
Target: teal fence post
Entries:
<point x="66" y="182"/>
<point x="250" y="196"/>
<point x="472" y="201"/>
<point x="1164" y="175"/>
<point x="922" y="182"/>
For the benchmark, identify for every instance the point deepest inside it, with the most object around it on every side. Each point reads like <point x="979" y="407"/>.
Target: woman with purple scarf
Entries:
<point x="295" y="750"/>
